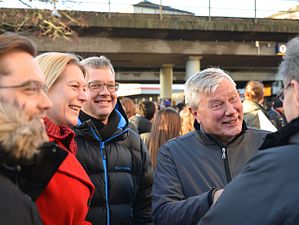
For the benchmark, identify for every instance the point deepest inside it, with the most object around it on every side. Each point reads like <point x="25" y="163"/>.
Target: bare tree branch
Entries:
<point x="25" y="3"/>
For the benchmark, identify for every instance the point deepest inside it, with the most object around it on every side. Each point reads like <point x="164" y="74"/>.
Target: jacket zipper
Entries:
<point x="226" y="165"/>
<point x="103" y="156"/>
<point x="104" y="161"/>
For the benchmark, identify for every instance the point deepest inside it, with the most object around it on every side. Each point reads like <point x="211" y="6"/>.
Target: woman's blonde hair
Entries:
<point x="187" y="120"/>
<point x="54" y="63"/>
<point x="166" y="125"/>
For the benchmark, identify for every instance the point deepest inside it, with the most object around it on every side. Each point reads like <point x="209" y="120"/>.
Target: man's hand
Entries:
<point x="217" y="195"/>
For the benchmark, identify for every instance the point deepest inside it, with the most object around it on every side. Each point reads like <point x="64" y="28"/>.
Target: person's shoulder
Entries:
<point x="16" y="206"/>
<point x="10" y="193"/>
<point x="178" y="143"/>
<point x="257" y="131"/>
<point x="184" y="138"/>
<point x="280" y="156"/>
<point x="131" y="139"/>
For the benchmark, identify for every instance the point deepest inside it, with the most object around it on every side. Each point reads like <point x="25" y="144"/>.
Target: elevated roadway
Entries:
<point x="141" y="46"/>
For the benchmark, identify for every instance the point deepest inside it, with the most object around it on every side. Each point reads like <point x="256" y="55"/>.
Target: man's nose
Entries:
<point x="230" y="109"/>
<point x="82" y="95"/>
<point x="45" y="102"/>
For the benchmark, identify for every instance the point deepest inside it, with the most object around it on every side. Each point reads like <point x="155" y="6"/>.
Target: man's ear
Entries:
<point x="296" y="90"/>
<point x="195" y="114"/>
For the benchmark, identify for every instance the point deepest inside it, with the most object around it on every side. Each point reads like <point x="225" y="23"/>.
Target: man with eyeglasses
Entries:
<point x="267" y="191"/>
<point x="22" y="88"/>
<point x="114" y="156"/>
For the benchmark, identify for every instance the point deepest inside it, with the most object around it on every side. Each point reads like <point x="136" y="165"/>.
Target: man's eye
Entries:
<point x="31" y="89"/>
<point x="234" y="99"/>
<point x="95" y="85"/>
<point x="75" y="86"/>
<point x="216" y="106"/>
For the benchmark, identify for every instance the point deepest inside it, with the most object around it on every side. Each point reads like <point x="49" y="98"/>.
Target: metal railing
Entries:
<point x="211" y="8"/>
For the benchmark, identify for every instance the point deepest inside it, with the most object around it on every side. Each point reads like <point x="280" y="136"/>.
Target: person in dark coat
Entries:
<point x="19" y="142"/>
<point x="114" y="157"/>
<point x="267" y="190"/>
<point x="276" y="114"/>
<point x="143" y="119"/>
<point x="192" y="169"/>
<point x="23" y="103"/>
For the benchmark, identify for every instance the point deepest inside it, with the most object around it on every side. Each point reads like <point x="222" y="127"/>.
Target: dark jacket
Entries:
<point x="119" y="167"/>
<point x="276" y="118"/>
<point x="190" y="166"/>
<point x="267" y="190"/>
<point x="142" y="124"/>
<point x="15" y="206"/>
<point x="19" y="142"/>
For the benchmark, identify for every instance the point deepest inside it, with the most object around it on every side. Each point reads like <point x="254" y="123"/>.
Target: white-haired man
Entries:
<point x="267" y="190"/>
<point x="192" y="169"/>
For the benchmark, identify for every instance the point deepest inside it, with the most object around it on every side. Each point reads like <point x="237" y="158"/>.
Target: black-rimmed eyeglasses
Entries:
<point x="34" y="87"/>
<point x="96" y="86"/>
<point x="281" y="93"/>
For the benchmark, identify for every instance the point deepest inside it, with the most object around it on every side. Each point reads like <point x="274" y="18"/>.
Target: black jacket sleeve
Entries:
<point x="142" y="204"/>
<point x="17" y="208"/>
<point x="170" y="206"/>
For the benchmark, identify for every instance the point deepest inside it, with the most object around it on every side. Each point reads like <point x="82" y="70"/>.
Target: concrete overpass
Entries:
<point x="144" y="48"/>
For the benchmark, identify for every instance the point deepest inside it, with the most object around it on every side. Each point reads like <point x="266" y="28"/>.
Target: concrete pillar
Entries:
<point x="192" y="66"/>
<point x="166" y="78"/>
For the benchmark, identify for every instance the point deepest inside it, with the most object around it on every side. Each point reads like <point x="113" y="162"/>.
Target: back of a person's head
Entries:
<point x="166" y="125"/>
<point x="10" y="43"/>
<point x="254" y="91"/>
<point x="289" y="67"/>
<point x="180" y="106"/>
<point x="54" y="63"/>
<point x="96" y="62"/>
<point x="129" y="106"/>
<point x="146" y="109"/>
<point x="204" y="82"/>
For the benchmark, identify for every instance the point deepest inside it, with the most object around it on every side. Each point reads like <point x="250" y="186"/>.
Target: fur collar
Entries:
<point x="20" y="137"/>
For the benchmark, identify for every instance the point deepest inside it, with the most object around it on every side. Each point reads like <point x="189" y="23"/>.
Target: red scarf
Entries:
<point x="62" y="135"/>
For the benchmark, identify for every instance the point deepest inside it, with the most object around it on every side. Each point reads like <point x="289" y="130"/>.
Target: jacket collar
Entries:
<point x="212" y="139"/>
<point x="84" y="127"/>
<point x="284" y="136"/>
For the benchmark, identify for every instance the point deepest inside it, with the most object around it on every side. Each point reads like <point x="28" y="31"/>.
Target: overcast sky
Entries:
<point x="234" y="8"/>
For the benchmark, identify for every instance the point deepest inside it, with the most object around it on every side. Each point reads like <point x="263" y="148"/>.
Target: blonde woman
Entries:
<point x="66" y="197"/>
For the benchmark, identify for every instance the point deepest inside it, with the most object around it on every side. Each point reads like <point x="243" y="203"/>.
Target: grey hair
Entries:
<point x="289" y="67"/>
<point x="203" y="83"/>
<point x="96" y="62"/>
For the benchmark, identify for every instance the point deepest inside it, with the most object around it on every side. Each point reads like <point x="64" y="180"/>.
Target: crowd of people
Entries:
<point x="72" y="153"/>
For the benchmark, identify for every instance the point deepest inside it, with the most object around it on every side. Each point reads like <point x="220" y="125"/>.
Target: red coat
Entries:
<point x="65" y="200"/>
